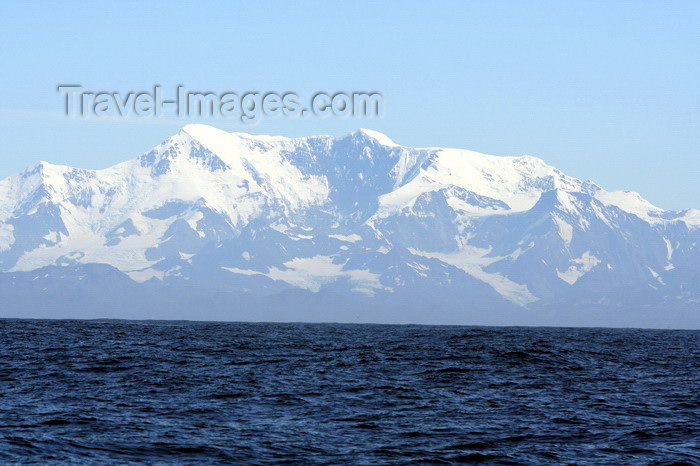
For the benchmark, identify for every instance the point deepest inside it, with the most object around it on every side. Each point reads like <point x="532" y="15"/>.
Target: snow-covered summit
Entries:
<point x="357" y="214"/>
<point x="380" y="138"/>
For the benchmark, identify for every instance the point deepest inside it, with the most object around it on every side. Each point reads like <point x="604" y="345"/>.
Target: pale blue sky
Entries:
<point x="608" y="91"/>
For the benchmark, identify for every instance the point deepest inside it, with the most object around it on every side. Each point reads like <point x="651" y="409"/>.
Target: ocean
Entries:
<point x="211" y="392"/>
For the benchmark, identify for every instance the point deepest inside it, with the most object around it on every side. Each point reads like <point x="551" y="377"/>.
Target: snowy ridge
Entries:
<point x="358" y="215"/>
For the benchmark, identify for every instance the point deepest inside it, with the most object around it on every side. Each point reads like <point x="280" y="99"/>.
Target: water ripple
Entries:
<point x="185" y="392"/>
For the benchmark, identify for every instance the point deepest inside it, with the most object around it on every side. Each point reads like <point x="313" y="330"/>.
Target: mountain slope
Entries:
<point x="360" y="217"/>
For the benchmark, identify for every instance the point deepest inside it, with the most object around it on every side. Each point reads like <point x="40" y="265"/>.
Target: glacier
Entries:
<point x="229" y="226"/>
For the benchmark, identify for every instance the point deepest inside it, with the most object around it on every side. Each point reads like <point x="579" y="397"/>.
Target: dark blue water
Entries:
<point x="184" y="392"/>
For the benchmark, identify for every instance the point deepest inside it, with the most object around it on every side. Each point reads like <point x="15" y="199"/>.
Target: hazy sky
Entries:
<point x="608" y="91"/>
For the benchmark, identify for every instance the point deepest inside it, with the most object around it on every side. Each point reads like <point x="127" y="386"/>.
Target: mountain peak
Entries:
<point x="44" y="169"/>
<point x="215" y="136"/>
<point x="356" y="215"/>
<point x="202" y="132"/>
<point x="380" y="138"/>
<point x="206" y="133"/>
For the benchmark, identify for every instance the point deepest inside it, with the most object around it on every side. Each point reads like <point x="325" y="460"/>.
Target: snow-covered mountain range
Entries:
<point x="230" y="225"/>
